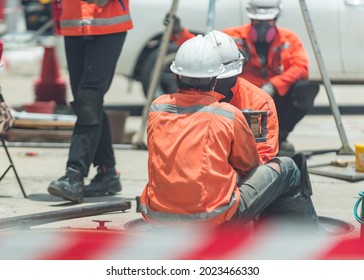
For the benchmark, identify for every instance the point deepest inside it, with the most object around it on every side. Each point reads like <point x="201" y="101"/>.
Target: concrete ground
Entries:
<point x="38" y="165"/>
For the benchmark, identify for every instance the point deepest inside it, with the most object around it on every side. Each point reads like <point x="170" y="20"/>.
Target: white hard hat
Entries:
<point x="197" y="58"/>
<point x="264" y="9"/>
<point x="231" y="57"/>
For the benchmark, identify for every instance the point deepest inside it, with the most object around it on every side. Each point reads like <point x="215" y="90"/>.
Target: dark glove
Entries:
<point x="270" y="89"/>
<point x="177" y="28"/>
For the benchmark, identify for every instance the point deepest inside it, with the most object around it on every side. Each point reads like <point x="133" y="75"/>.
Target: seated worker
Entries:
<point x="199" y="148"/>
<point x="243" y="94"/>
<point x="275" y="60"/>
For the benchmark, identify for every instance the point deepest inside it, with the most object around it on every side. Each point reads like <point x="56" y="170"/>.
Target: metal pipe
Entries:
<point x="61" y="215"/>
<point x="345" y="149"/>
<point x="156" y="76"/>
<point x="58" y="145"/>
<point x="211" y="16"/>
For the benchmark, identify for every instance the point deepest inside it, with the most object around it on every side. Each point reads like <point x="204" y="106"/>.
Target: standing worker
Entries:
<point x="94" y="33"/>
<point x="203" y="165"/>
<point x="275" y="60"/>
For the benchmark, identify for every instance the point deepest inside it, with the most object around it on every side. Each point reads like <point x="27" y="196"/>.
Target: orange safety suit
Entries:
<point x="79" y="18"/>
<point x="196" y="146"/>
<point x="287" y="58"/>
<point x="248" y="96"/>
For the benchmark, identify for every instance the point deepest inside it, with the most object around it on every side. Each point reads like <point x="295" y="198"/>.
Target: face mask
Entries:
<point x="263" y="32"/>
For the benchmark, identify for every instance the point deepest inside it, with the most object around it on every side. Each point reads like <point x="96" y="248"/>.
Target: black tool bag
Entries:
<point x="301" y="162"/>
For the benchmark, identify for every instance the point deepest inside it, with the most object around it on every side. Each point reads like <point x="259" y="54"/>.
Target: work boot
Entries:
<point x="286" y="149"/>
<point x="69" y="187"/>
<point x="106" y="182"/>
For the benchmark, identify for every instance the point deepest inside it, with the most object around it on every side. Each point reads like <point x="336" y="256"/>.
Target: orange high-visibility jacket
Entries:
<point x="79" y="18"/>
<point x="287" y="58"/>
<point x="196" y="148"/>
<point x="248" y="96"/>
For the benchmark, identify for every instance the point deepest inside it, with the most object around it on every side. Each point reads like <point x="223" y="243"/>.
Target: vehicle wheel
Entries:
<point x="167" y="82"/>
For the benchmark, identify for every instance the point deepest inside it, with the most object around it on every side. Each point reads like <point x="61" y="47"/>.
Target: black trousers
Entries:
<point x="91" y="63"/>
<point x="292" y="107"/>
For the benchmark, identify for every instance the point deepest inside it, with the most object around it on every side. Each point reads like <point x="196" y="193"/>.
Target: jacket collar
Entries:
<point x="213" y="94"/>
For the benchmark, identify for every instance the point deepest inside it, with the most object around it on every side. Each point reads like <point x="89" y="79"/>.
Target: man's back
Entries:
<point x="196" y="145"/>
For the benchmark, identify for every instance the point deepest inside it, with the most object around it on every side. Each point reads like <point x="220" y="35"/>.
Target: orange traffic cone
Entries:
<point x="50" y="86"/>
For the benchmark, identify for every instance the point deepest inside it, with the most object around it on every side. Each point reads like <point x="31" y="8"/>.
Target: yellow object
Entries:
<point x="45" y="2"/>
<point x="359" y="157"/>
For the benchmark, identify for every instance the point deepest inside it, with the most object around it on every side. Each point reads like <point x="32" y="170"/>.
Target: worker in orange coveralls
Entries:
<point x="243" y="94"/>
<point x="203" y="165"/>
<point x="275" y="60"/>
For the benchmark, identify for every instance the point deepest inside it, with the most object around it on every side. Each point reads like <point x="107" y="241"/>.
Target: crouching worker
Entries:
<point x="199" y="148"/>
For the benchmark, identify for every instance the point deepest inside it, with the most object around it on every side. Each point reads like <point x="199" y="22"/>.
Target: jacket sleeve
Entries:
<point x="295" y="63"/>
<point x="244" y="156"/>
<point x="182" y="37"/>
<point x="248" y="96"/>
<point x="269" y="149"/>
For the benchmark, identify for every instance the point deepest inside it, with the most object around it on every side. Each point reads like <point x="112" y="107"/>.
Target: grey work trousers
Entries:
<point x="268" y="193"/>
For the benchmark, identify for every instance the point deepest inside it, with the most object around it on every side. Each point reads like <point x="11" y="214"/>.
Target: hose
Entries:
<point x="357" y="217"/>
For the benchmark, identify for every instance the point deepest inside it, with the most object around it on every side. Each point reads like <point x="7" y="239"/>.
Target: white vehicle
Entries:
<point x="338" y="25"/>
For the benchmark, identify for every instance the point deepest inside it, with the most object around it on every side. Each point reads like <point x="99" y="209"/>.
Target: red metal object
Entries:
<point x="50" y="86"/>
<point x="43" y="107"/>
<point x="31" y="154"/>
<point x="101" y="224"/>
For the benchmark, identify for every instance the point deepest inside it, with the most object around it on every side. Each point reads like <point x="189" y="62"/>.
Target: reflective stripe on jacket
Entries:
<point x="248" y="96"/>
<point x="287" y="59"/>
<point x="81" y="19"/>
<point x="196" y="145"/>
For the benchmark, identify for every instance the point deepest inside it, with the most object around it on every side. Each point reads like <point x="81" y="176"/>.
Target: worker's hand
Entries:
<point x="270" y="89"/>
<point x="177" y="28"/>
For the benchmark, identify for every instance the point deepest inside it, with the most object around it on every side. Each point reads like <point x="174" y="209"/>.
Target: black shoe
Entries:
<point x="69" y="187"/>
<point x="106" y="182"/>
<point x="286" y="149"/>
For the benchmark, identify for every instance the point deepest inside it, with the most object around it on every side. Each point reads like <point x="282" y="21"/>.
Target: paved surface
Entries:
<point x="37" y="165"/>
